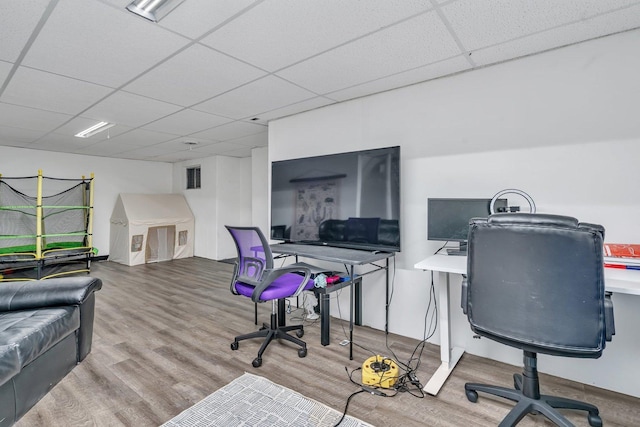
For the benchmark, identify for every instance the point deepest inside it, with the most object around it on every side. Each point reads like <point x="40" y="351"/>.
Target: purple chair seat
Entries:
<point x="279" y="288"/>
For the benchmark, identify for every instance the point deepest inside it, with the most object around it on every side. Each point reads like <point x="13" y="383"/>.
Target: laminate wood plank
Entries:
<point x="162" y="339"/>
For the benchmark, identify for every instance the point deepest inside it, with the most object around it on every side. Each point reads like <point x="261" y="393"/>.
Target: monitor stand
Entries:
<point x="462" y="251"/>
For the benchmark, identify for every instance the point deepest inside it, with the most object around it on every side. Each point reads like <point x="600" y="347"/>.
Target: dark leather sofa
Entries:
<point x="46" y="328"/>
<point x="374" y="231"/>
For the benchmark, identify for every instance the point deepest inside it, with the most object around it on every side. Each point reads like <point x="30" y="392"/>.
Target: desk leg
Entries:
<point x="358" y="301"/>
<point x="449" y="357"/>
<point x="325" y="319"/>
<point x="351" y="310"/>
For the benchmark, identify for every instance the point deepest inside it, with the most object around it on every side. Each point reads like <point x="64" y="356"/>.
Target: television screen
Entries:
<point x="347" y="200"/>
<point x="448" y="219"/>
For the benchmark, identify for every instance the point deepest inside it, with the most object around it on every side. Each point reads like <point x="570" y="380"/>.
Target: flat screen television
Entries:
<point x="349" y="200"/>
<point x="448" y="219"/>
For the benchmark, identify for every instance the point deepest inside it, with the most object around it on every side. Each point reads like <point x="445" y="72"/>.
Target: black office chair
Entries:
<point x="536" y="282"/>
<point x="255" y="277"/>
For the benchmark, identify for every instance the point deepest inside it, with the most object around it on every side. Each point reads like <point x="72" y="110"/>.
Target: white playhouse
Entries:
<point x="150" y="228"/>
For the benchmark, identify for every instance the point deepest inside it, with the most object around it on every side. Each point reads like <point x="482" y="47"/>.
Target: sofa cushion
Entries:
<point x="9" y="362"/>
<point x="32" y="332"/>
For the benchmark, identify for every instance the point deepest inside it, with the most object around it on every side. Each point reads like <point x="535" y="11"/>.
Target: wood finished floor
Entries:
<point x="161" y="344"/>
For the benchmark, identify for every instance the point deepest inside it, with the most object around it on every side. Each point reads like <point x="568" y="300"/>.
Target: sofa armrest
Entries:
<point x="25" y="295"/>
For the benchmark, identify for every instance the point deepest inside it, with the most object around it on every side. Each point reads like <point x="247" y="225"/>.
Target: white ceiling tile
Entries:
<point x="414" y="43"/>
<point x="276" y="34"/>
<point x="219" y="148"/>
<point x="18" y="19"/>
<point x="239" y="152"/>
<point x="95" y="42"/>
<point x="193" y="18"/>
<point x="60" y="142"/>
<point x="230" y="131"/>
<point x="584" y="30"/>
<point x="178" y="156"/>
<point x="214" y="73"/>
<point x="10" y="135"/>
<point x="481" y="23"/>
<point x="254" y="98"/>
<point x="46" y="91"/>
<point x="138" y="138"/>
<point x="30" y="118"/>
<point x="186" y="122"/>
<point x="130" y="109"/>
<point x="298" y="107"/>
<point x="421" y="74"/>
<point x="5" y="68"/>
<point x="256" y="140"/>
<point x="150" y="151"/>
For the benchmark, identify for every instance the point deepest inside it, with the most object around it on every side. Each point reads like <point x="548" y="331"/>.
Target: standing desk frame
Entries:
<point x="616" y="281"/>
<point x="350" y="257"/>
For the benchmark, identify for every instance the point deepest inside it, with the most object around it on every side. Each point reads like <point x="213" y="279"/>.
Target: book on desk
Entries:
<point x="622" y="255"/>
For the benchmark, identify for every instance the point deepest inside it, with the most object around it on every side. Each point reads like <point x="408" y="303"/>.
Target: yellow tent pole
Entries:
<point x="90" y="225"/>
<point x="39" y="216"/>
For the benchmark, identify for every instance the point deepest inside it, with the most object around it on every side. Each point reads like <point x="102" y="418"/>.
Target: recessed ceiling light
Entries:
<point x="97" y="128"/>
<point x="153" y="10"/>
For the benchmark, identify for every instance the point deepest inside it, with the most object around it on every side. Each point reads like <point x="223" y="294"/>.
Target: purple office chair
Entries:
<point x="254" y="277"/>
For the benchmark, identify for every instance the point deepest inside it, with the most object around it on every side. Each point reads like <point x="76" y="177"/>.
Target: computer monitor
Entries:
<point x="448" y="219"/>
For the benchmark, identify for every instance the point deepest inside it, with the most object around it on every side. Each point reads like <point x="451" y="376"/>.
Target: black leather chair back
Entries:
<point x="536" y="282"/>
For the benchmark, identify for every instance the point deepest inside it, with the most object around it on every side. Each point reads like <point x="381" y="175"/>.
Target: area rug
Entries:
<point x="251" y="400"/>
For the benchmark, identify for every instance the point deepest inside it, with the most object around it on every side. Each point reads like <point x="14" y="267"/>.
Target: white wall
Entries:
<point x="260" y="168"/>
<point x="223" y="199"/>
<point x="561" y="126"/>
<point x="112" y="177"/>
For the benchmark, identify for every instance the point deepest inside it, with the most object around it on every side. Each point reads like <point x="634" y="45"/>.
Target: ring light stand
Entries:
<point x="532" y="205"/>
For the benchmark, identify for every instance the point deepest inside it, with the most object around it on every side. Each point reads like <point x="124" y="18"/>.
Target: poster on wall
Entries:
<point x="316" y="201"/>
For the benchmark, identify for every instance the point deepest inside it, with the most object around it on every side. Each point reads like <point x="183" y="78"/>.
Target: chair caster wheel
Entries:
<point x="300" y="333"/>
<point x="302" y="352"/>
<point x="234" y="345"/>
<point x="594" y="420"/>
<point x="257" y="362"/>
<point x="472" y="396"/>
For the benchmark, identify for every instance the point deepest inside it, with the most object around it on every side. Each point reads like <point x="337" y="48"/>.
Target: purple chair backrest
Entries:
<point x="254" y="253"/>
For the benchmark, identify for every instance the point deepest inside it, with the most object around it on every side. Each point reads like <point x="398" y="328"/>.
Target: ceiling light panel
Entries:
<point x="95" y="129"/>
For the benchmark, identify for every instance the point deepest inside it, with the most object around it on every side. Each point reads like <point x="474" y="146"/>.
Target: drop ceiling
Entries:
<point x="216" y="72"/>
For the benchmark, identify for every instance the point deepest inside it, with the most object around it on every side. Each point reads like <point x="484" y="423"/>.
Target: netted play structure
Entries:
<point x="45" y="227"/>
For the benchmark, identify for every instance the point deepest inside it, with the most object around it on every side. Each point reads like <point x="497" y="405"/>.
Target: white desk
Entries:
<point x="616" y="280"/>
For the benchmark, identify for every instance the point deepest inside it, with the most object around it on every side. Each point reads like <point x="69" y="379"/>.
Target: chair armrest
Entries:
<point x="32" y="294"/>
<point x="463" y="294"/>
<point x="610" y="326"/>
<point x="271" y="275"/>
